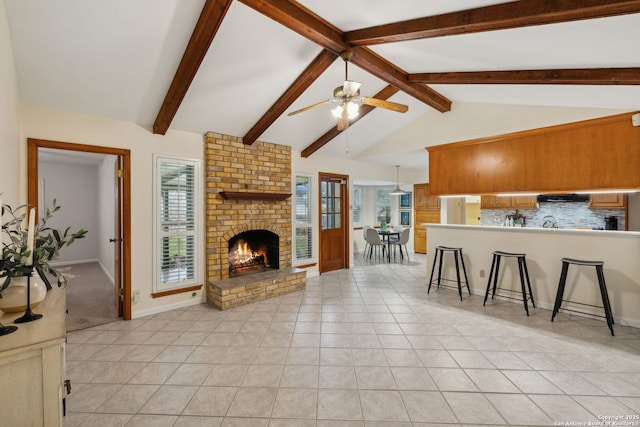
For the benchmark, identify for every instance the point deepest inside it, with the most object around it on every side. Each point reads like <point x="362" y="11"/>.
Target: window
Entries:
<point x="383" y="205"/>
<point x="356" y="202"/>
<point x="303" y="221"/>
<point x="176" y="205"/>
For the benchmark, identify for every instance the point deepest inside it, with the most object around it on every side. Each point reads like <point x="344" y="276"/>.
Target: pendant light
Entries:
<point x="397" y="191"/>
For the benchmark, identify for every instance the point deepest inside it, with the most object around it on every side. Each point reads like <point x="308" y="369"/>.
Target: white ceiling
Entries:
<point x="116" y="59"/>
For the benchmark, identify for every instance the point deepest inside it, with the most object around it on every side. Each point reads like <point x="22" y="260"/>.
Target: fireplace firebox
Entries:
<point x="253" y="251"/>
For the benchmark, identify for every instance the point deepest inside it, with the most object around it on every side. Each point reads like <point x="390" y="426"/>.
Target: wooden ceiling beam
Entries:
<point x="302" y="21"/>
<point x="384" y="94"/>
<point x="211" y="17"/>
<point x="381" y="68"/>
<point x="307" y="24"/>
<point x="591" y="76"/>
<point x="521" y="13"/>
<point x="308" y="76"/>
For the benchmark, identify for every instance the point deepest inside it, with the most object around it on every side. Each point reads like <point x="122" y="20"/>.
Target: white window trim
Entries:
<point x="311" y="225"/>
<point x="362" y="195"/>
<point x="157" y="232"/>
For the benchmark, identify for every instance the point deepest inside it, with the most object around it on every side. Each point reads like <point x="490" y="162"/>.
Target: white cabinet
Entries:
<point x="32" y="366"/>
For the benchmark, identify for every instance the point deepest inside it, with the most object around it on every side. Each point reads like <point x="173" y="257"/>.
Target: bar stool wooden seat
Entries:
<point x="524" y="273"/>
<point x="606" y="304"/>
<point x="458" y="259"/>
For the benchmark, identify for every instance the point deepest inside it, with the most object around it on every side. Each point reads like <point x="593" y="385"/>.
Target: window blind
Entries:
<point x="176" y="222"/>
<point x="303" y="217"/>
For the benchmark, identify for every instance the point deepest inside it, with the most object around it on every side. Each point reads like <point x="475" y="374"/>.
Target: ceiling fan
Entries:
<point x="348" y="96"/>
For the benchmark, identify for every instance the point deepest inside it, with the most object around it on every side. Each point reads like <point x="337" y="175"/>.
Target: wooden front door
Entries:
<point x="334" y="218"/>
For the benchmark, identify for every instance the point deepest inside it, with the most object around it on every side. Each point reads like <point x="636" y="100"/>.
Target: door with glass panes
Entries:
<point x="333" y="222"/>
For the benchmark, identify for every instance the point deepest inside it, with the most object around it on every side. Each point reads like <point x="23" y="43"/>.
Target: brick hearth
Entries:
<point x="237" y="291"/>
<point x="258" y="168"/>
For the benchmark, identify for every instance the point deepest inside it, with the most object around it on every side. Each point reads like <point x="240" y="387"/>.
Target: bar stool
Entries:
<point x="606" y="304"/>
<point x="457" y="255"/>
<point x="524" y="273"/>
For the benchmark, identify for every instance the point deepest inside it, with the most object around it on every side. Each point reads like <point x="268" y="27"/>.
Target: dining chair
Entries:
<point x="374" y="241"/>
<point x="402" y="241"/>
<point x="366" y="243"/>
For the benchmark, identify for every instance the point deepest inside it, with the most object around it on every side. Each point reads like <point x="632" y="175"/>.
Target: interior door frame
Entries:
<point x="344" y="216"/>
<point x="124" y="157"/>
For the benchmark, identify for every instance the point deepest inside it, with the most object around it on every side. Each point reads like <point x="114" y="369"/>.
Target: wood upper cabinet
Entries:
<point x="598" y="154"/>
<point x="608" y="200"/>
<point x="495" y="202"/>
<point x="524" y="202"/>
<point x="508" y="202"/>
<point x="423" y="199"/>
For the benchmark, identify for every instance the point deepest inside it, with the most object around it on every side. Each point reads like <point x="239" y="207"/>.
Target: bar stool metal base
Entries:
<point x="457" y="254"/>
<point x="524" y="273"/>
<point x="606" y="304"/>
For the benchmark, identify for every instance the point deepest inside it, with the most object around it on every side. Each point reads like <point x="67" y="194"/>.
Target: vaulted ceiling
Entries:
<point x="239" y="66"/>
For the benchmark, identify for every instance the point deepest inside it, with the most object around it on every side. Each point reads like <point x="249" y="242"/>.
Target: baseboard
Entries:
<point x="104" y="270"/>
<point x="169" y="307"/>
<point x="84" y="261"/>
<point x="81" y="261"/>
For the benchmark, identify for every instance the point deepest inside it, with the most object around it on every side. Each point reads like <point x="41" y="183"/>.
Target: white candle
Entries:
<point x="30" y="235"/>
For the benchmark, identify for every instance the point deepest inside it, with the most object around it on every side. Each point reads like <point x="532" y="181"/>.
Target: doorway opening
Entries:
<point x="100" y="177"/>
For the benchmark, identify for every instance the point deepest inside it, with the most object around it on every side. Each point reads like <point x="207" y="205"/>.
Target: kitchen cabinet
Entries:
<point x="508" y="202"/>
<point x="495" y="202"/>
<point x="426" y="210"/>
<point x="608" y="201"/>
<point x="597" y="153"/>
<point x="423" y="199"/>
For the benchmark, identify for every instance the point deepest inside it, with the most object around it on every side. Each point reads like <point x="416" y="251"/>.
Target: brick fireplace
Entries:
<point x="246" y="191"/>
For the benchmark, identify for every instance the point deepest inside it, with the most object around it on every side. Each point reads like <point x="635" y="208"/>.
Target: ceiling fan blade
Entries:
<point x="400" y="108"/>
<point x="343" y="120"/>
<point x="350" y="87"/>
<point x="310" y="107"/>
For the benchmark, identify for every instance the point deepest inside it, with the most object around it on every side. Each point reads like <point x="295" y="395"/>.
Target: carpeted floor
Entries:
<point x="90" y="296"/>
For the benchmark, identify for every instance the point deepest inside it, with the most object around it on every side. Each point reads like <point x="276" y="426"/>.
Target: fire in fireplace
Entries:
<point x="253" y="251"/>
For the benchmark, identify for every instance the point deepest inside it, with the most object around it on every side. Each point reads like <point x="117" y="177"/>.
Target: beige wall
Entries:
<point x="10" y="159"/>
<point x="45" y="123"/>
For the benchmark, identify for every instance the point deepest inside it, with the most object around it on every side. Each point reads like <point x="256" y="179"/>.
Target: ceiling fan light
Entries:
<point x="337" y="112"/>
<point x="352" y="110"/>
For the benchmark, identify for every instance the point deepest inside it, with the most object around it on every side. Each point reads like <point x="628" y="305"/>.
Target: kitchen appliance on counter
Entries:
<point x="610" y="223"/>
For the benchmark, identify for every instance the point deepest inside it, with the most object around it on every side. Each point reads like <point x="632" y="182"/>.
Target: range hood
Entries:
<point x="562" y="198"/>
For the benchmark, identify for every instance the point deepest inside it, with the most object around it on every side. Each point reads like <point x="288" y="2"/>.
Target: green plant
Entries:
<point x="46" y="245"/>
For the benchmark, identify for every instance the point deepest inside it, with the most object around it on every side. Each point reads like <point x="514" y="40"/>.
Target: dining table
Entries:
<point x="386" y="237"/>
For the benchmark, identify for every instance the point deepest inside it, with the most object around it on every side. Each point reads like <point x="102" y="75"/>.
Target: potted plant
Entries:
<point x="30" y="248"/>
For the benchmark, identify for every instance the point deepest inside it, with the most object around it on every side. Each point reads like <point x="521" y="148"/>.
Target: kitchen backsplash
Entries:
<point x="564" y="215"/>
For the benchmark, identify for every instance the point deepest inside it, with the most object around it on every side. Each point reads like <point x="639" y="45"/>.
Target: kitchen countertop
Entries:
<point x="570" y="231"/>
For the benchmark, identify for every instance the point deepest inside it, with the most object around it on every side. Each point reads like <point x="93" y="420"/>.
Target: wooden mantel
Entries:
<point x="252" y="195"/>
<point x="597" y="154"/>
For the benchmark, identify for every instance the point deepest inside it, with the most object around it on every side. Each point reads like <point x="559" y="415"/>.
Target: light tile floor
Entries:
<point x="359" y="347"/>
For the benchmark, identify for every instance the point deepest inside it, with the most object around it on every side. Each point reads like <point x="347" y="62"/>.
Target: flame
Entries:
<point x="241" y="254"/>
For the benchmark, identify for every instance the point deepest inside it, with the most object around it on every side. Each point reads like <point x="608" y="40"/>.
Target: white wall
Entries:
<point x="10" y="162"/>
<point x="74" y="187"/>
<point x="106" y="214"/>
<point x="46" y="123"/>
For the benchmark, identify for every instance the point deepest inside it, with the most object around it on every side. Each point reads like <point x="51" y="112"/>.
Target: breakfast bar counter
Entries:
<point x="544" y="249"/>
